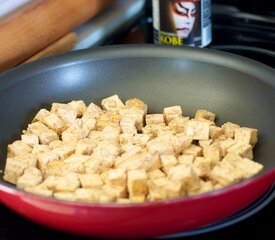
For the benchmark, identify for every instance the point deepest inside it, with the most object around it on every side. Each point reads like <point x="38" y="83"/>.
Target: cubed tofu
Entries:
<point x="187" y="175"/>
<point x="108" y="119"/>
<point x="125" y="138"/>
<point x="154" y="119"/>
<point x="85" y="146"/>
<point x="205" y="186"/>
<point x="135" y="103"/>
<point x="156" y="194"/>
<point x="194" y="150"/>
<point x="168" y="161"/>
<point x="137" y="183"/>
<point x="117" y="177"/>
<point x="14" y="169"/>
<point x="54" y="122"/>
<point x="107" y="152"/>
<point x="67" y="183"/>
<point x="111" y="134"/>
<point x="75" y="163"/>
<point x="112" y="103"/>
<point x="47" y="137"/>
<point x="91" y="180"/>
<point x="159" y="147"/>
<point x="40" y="115"/>
<point x="181" y="142"/>
<point x="178" y="124"/>
<point x="213" y="152"/>
<point x="65" y="112"/>
<point x="152" y="130"/>
<point x="128" y="125"/>
<point x="31" y="140"/>
<point x="197" y="129"/>
<point x="141" y="139"/>
<point x="246" y="166"/>
<point x="36" y="128"/>
<point x="18" y="147"/>
<point x="205" y="114"/>
<point x="92" y="112"/>
<point x="186" y="159"/>
<point x="79" y="106"/>
<point x="229" y="129"/>
<point x="224" y="174"/>
<point x="136" y="114"/>
<point x="202" y="166"/>
<point x="215" y="132"/>
<point x="69" y="196"/>
<point x="156" y="173"/>
<point x="87" y="194"/>
<point x="246" y="135"/>
<point x="40" y="148"/>
<point x="40" y="189"/>
<point x="44" y="158"/>
<point x="64" y="151"/>
<point x="225" y="144"/>
<point x="115" y="191"/>
<point x="31" y="177"/>
<point x="171" y="113"/>
<point x="243" y="149"/>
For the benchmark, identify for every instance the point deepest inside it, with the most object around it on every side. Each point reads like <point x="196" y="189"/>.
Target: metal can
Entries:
<point x="182" y="22"/>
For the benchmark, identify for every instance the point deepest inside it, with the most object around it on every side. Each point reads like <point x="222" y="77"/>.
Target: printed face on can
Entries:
<point x="184" y="16"/>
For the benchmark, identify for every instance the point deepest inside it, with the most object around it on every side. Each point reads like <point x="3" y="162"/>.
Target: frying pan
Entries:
<point x="237" y="89"/>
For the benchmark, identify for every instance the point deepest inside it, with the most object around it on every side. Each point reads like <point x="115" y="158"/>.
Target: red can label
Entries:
<point x="182" y="22"/>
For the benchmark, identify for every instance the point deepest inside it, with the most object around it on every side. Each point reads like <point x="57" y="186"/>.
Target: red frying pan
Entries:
<point x="235" y="88"/>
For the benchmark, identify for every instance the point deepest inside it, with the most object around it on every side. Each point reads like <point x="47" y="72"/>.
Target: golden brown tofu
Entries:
<point x="65" y="112"/>
<point x="79" y="106"/>
<point x="135" y="103"/>
<point x="31" y="177"/>
<point x="197" y="129"/>
<point x="194" y="150"/>
<point x="92" y="112"/>
<point x="181" y="142"/>
<point x="137" y="183"/>
<point x="18" y="147"/>
<point x="91" y="180"/>
<point x="205" y="114"/>
<point x="31" y="140"/>
<point x="117" y="177"/>
<point x="54" y="122"/>
<point x="178" y="124"/>
<point x="112" y="104"/>
<point x="229" y="129"/>
<point x="246" y="135"/>
<point x="47" y="137"/>
<point x="154" y="119"/>
<point x="171" y="113"/>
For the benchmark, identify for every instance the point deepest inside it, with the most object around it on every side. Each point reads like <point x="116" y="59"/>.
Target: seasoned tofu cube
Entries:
<point x="87" y="194"/>
<point x="54" y="122"/>
<point x="75" y="164"/>
<point x="225" y="144"/>
<point x="44" y="158"/>
<point x="229" y="129"/>
<point x="40" y="148"/>
<point x="67" y="183"/>
<point x="85" y="146"/>
<point x="18" y="147"/>
<point x="111" y="134"/>
<point x="141" y="139"/>
<point x="31" y="177"/>
<point x="151" y="161"/>
<point x="135" y="103"/>
<point x="117" y="177"/>
<point x="246" y="166"/>
<point x="213" y="152"/>
<point x="65" y="196"/>
<point x="136" y="114"/>
<point x="92" y="112"/>
<point x="14" y="169"/>
<point x="187" y="175"/>
<point x="31" y="140"/>
<point x="246" y="135"/>
<point x="64" y="151"/>
<point x="215" y="132"/>
<point x="129" y="150"/>
<point x="205" y="114"/>
<point x="36" y="128"/>
<point x="178" y="124"/>
<point x="79" y="106"/>
<point x="205" y="186"/>
<point x="107" y="152"/>
<point x="152" y="130"/>
<point x="40" y="115"/>
<point x="244" y="150"/>
<point x="154" y="119"/>
<point x="108" y="119"/>
<point x="65" y="112"/>
<point x="128" y="125"/>
<point x="168" y="161"/>
<point x="125" y="138"/>
<point x="205" y="143"/>
<point x="96" y="136"/>
<point x="202" y="166"/>
<point x="224" y="174"/>
<point x="47" y="137"/>
<point x="40" y="189"/>
<point x="186" y="159"/>
<point x="137" y="183"/>
<point x="156" y="194"/>
<point x="171" y="113"/>
<point x="181" y="142"/>
<point x="174" y="189"/>
<point x="197" y="129"/>
<point x="194" y="150"/>
<point x="159" y="147"/>
<point x="115" y="191"/>
<point x="91" y="180"/>
<point x="112" y="103"/>
<point x="154" y="174"/>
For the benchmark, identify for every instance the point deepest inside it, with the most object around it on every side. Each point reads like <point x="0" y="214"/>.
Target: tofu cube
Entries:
<point x="194" y="150"/>
<point x="135" y="103"/>
<point x="67" y="183"/>
<point x="79" y="106"/>
<point x="202" y="114"/>
<point x="84" y="146"/>
<point x="154" y="119"/>
<point x="65" y="112"/>
<point x="36" y="128"/>
<point x="40" y="115"/>
<point x="90" y="180"/>
<point x="112" y="104"/>
<point x="197" y="129"/>
<point x="137" y="183"/>
<point x="136" y="114"/>
<point x="246" y="135"/>
<point x="215" y="132"/>
<point x="172" y="112"/>
<point x="18" y="147"/>
<point x="181" y="142"/>
<point x="128" y="125"/>
<point x="92" y="112"/>
<point x="31" y="177"/>
<point x="154" y="174"/>
<point x="117" y="177"/>
<point x="178" y="124"/>
<point x="213" y="152"/>
<point x="202" y="166"/>
<point x="186" y="159"/>
<point x="31" y="140"/>
<point x="47" y="137"/>
<point x="168" y="161"/>
<point x="54" y="122"/>
<point x="244" y="150"/>
<point x="229" y="129"/>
